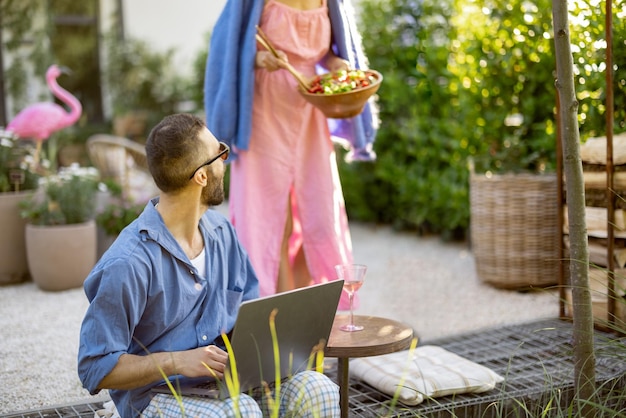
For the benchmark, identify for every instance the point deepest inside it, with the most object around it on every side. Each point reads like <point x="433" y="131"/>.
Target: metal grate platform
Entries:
<point x="535" y="359"/>
<point x="64" y="411"/>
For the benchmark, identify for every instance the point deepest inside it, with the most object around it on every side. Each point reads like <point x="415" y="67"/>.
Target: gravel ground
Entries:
<point x="428" y="284"/>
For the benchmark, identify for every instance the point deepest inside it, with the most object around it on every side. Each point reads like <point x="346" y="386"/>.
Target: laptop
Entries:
<point x="303" y="321"/>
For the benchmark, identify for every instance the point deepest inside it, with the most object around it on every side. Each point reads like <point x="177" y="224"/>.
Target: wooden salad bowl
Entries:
<point x="346" y="104"/>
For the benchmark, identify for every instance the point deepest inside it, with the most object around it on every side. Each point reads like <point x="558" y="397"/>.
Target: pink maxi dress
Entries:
<point x="290" y="156"/>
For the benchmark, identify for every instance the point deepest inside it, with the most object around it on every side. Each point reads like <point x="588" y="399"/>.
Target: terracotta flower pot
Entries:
<point x="13" y="265"/>
<point x="60" y="257"/>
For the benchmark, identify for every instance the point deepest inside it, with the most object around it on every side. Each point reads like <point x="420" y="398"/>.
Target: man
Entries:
<point x="172" y="282"/>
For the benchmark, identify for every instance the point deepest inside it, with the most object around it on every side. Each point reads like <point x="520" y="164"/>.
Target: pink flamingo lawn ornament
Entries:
<point x="40" y="120"/>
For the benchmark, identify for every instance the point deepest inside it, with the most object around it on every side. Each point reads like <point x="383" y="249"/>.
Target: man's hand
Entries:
<point x="203" y="361"/>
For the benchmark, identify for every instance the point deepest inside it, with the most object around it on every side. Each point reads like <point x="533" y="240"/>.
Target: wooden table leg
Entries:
<point x="343" y="365"/>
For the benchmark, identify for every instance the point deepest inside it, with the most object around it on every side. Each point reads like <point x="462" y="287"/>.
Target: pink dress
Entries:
<point x="290" y="156"/>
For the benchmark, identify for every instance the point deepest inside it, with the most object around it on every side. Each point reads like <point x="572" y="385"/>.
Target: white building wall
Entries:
<point x="182" y="25"/>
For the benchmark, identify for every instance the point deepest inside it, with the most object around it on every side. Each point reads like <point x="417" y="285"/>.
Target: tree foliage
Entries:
<point x="419" y="178"/>
<point x="23" y="32"/>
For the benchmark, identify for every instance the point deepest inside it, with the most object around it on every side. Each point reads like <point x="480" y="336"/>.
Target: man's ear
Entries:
<point x="201" y="178"/>
<point x="204" y="179"/>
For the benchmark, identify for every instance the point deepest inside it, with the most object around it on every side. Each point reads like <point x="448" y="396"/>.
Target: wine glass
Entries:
<point x="352" y="276"/>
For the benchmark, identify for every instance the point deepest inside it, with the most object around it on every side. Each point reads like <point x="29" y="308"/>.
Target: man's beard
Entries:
<point x="213" y="193"/>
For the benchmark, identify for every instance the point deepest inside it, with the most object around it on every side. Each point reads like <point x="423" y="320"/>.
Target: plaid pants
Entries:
<point x="308" y="394"/>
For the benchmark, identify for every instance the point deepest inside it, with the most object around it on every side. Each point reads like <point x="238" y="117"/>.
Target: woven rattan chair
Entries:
<point x="123" y="161"/>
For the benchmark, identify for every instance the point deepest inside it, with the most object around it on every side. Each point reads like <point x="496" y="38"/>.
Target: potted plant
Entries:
<point x="115" y="216"/>
<point x="61" y="238"/>
<point x="18" y="179"/>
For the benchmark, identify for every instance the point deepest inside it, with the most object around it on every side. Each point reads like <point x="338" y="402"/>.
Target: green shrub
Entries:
<point x="142" y="79"/>
<point x="470" y="80"/>
<point x="505" y="58"/>
<point x="419" y="179"/>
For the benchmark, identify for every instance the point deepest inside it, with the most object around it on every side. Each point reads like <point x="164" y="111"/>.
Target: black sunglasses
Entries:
<point x="223" y="154"/>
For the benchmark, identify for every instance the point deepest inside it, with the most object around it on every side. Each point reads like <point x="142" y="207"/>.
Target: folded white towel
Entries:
<point x="426" y="372"/>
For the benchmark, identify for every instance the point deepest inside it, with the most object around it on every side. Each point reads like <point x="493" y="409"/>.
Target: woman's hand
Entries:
<point x="265" y="59"/>
<point x="334" y="63"/>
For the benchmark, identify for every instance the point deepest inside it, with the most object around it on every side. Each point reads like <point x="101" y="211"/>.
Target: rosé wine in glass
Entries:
<point x="352" y="287"/>
<point x="352" y="276"/>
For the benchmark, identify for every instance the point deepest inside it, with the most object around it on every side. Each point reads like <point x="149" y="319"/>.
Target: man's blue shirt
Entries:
<point x="146" y="296"/>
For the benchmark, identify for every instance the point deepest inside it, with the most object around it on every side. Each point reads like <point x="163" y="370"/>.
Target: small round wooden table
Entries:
<point x="379" y="336"/>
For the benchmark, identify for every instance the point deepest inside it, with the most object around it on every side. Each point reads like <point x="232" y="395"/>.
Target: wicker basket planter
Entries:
<point x="514" y="229"/>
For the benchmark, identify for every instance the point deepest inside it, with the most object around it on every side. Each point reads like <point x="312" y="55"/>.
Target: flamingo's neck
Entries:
<point x="67" y="98"/>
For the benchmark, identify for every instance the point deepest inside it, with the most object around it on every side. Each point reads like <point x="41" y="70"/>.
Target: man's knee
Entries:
<point x="311" y="394"/>
<point x="243" y="406"/>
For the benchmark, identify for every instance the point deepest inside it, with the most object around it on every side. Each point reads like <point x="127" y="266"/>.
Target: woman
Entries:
<point x="285" y="197"/>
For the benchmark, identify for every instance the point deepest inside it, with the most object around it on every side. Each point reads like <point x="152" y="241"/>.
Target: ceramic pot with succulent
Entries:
<point x="61" y="237"/>
<point x="18" y="180"/>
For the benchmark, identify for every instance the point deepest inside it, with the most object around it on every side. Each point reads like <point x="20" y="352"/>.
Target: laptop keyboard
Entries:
<point x="210" y="385"/>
